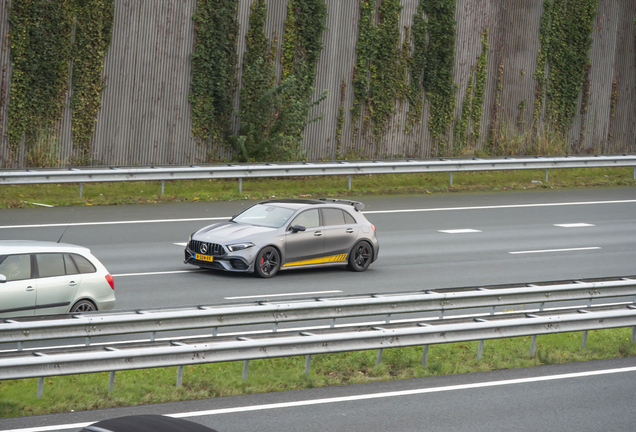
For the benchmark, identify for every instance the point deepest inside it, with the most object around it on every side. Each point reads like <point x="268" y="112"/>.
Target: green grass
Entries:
<point x="67" y="194"/>
<point x="90" y="391"/>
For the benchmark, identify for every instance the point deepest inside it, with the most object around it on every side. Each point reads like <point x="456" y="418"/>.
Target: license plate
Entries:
<point x="203" y="257"/>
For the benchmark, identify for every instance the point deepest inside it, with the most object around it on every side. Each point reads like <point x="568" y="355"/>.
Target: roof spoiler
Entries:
<point x="357" y="205"/>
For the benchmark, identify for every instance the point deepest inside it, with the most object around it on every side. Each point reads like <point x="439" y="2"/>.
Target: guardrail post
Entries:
<point x="349" y="182"/>
<point x="633" y="334"/>
<point x="152" y="336"/>
<point x="541" y="306"/>
<point x="584" y="343"/>
<point x="81" y="187"/>
<point x="179" y="375"/>
<point x="451" y="179"/>
<point x="19" y="346"/>
<point x="307" y="364"/>
<point x="240" y="185"/>
<point x="87" y="341"/>
<point x="425" y="355"/>
<point x="480" y="349"/>
<point x="441" y="314"/>
<point x="533" y="345"/>
<point x="162" y="185"/>
<point x="40" y="386"/>
<point x="275" y="328"/>
<point x="214" y="331"/>
<point x="333" y="323"/>
<point x="111" y="381"/>
<point x="546" y="175"/>
<point x="635" y="173"/>
<point x="378" y="359"/>
<point x="246" y="365"/>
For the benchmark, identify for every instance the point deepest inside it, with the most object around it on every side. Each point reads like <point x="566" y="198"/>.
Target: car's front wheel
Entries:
<point x="83" y="306"/>
<point x="360" y="257"/>
<point x="267" y="262"/>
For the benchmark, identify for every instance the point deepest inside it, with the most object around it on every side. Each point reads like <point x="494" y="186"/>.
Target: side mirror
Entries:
<point x="297" y="228"/>
<point x="3" y="278"/>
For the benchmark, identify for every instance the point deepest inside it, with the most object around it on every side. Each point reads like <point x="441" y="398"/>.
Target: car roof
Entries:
<point x="31" y="246"/>
<point x="300" y="203"/>
<point x="147" y="423"/>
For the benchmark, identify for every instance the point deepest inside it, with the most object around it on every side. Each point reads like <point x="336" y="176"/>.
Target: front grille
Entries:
<point x="212" y="248"/>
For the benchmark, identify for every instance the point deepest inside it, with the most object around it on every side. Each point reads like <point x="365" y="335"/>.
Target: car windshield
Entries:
<point x="265" y="215"/>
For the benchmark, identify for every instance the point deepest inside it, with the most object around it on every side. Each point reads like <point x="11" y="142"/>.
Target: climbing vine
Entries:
<point x="273" y="115"/>
<point x="437" y="78"/>
<point x="385" y="69"/>
<point x="364" y="56"/>
<point x="565" y="45"/>
<point x="93" y="30"/>
<point x="214" y="64"/>
<point x="41" y="47"/>
<point x="461" y="125"/>
<point x="494" y="125"/>
<point x="340" y="119"/>
<point x="419" y="31"/>
<point x="481" y="76"/>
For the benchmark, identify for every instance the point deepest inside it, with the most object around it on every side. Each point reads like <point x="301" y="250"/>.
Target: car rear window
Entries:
<point x="71" y="268"/>
<point x="50" y="264"/>
<point x="348" y="218"/>
<point x="83" y="265"/>
<point x="15" y="267"/>
<point x="333" y="217"/>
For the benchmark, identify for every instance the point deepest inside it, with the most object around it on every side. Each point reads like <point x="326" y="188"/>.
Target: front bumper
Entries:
<point x="234" y="262"/>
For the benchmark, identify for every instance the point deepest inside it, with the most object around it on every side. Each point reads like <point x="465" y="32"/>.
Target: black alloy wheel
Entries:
<point x="83" y="306"/>
<point x="360" y="257"/>
<point x="267" y="262"/>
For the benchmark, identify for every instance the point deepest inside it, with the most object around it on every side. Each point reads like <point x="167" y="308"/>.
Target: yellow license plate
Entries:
<point x="203" y="257"/>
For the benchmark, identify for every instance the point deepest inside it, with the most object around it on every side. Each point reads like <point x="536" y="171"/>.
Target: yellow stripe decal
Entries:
<point x="333" y="258"/>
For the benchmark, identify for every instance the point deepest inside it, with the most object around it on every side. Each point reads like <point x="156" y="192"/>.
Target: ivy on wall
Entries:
<point x="273" y="115"/>
<point x="41" y="47"/>
<point x="419" y="31"/>
<point x="93" y="31"/>
<point x="481" y="76"/>
<point x="214" y="66"/>
<point x="437" y="78"/>
<point x="364" y="56"/>
<point x="461" y="125"/>
<point x="565" y="45"/>
<point x="341" y="118"/>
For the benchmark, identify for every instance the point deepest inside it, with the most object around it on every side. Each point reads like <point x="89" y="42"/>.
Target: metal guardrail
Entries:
<point x="240" y="171"/>
<point x="109" y="324"/>
<point x="271" y="345"/>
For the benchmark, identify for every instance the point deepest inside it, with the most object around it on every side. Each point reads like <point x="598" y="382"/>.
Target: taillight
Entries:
<point x="373" y="227"/>
<point x="110" y="281"/>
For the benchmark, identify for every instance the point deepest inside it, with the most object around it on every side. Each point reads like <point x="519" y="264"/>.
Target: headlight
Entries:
<point x="240" y="246"/>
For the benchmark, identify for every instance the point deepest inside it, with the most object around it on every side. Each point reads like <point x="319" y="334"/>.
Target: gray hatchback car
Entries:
<point x="287" y="234"/>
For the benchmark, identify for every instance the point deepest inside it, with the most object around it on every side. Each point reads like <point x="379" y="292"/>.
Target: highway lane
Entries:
<point x="588" y="396"/>
<point x="417" y="251"/>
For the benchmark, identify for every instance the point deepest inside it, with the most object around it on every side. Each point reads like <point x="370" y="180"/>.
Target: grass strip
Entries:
<point x="90" y="391"/>
<point x="114" y="193"/>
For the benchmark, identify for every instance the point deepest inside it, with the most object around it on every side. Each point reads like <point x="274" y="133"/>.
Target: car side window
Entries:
<point x="348" y="218"/>
<point x="16" y="267"/>
<point x="83" y="265"/>
<point x="333" y="217"/>
<point x="71" y="268"/>
<point x="50" y="264"/>
<point x="308" y="219"/>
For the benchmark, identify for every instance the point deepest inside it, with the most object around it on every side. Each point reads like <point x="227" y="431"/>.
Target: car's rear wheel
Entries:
<point x="267" y="262"/>
<point x="360" y="257"/>
<point x="84" y="306"/>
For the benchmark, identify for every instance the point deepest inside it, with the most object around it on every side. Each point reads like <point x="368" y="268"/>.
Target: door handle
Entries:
<point x="318" y="233"/>
<point x="350" y="230"/>
<point x="72" y="283"/>
<point x="30" y="288"/>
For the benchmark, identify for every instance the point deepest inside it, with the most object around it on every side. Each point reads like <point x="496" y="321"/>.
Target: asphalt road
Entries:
<point x="514" y="240"/>
<point x="591" y="396"/>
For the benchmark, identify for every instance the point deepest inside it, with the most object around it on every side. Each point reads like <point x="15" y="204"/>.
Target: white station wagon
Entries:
<point x="42" y="278"/>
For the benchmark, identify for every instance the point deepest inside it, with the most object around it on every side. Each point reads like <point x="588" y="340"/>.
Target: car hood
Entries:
<point x="231" y="231"/>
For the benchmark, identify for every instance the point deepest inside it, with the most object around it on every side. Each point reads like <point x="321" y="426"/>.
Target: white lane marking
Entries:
<point x="37" y="204"/>
<point x="181" y="244"/>
<point x="555" y="250"/>
<point x="574" y="225"/>
<point x="366" y="212"/>
<point x="360" y="397"/>
<point x="501" y="206"/>
<point x="459" y="231"/>
<point x="114" y="222"/>
<point x="157" y="273"/>
<point x="282" y="295"/>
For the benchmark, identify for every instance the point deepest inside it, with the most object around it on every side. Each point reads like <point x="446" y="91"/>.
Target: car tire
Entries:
<point x="360" y="256"/>
<point x="267" y="262"/>
<point x="84" y="306"/>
